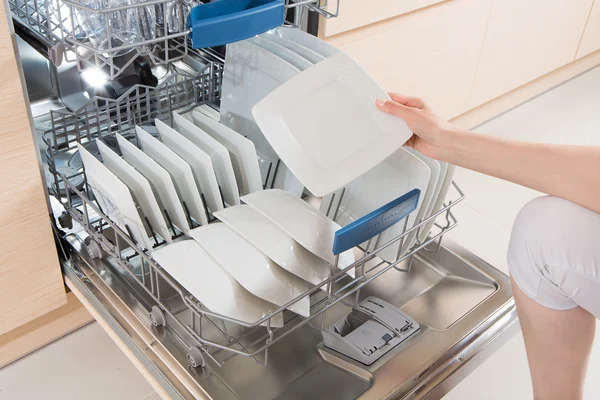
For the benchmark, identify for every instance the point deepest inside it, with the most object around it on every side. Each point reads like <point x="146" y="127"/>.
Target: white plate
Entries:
<point x="251" y="268"/>
<point x="307" y="40"/>
<point x="206" y="110"/>
<point x="180" y="171"/>
<point x="283" y="52"/>
<point x="433" y="189"/>
<point x="312" y="229"/>
<point x="396" y="175"/>
<point x="221" y="160"/>
<point x="241" y="151"/>
<point x="448" y="173"/>
<point x="251" y="73"/>
<point x="160" y="180"/>
<point x="275" y="243"/>
<point x="198" y="160"/>
<point x="215" y="288"/>
<point x="325" y="126"/>
<point x="139" y="186"/>
<point x="114" y="198"/>
<point x="310" y="55"/>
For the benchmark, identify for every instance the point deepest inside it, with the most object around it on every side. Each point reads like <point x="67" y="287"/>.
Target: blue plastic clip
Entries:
<point x="227" y="21"/>
<point x="375" y="222"/>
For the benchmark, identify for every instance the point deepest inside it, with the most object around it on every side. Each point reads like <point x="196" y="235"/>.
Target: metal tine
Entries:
<point x="275" y="173"/>
<point x="328" y="213"/>
<point x="267" y="177"/>
<point x="337" y="209"/>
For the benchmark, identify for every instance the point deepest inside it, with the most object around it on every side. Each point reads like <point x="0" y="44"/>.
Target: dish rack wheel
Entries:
<point x="157" y="316"/>
<point x="195" y="358"/>
<point x="93" y="248"/>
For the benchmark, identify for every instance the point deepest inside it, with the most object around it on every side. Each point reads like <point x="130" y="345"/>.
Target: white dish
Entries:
<point x="433" y="190"/>
<point x="448" y="173"/>
<point x="180" y="171"/>
<point x="114" y="198"/>
<point x="310" y="55"/>
<point x="275" y="243"/>
<point x="160" y="180"/>
<point x="307" y="40"/>
<point x="396" y="175"/>
<point x="206" y="110"/>
<point x="312" y="229"/>
<point x="218" y="154"/>
<point x="345" y="135"/>
<point x="140" y="188"/>
<point x="251" y="268"/>
<point x="241" y="151"/>
<point x="251" y="73"/>
<point x="283" y="52"/>
<point x="198" y="160"/>
<point x="215" y="288"/>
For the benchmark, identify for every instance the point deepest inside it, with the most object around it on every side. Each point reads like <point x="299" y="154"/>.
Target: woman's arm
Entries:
<point x="569" y="172"/>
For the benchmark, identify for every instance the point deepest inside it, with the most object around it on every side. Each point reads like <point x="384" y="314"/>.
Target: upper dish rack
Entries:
<point x="112" y="34"/>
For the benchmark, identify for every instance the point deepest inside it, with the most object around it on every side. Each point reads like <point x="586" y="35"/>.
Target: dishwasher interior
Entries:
<point x="461" y="305"/>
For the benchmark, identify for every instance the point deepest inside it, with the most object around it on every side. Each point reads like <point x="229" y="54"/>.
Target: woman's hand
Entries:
<point x="430" y="131"/>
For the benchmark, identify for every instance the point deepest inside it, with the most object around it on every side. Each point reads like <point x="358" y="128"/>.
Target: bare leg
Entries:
<point x="558" y="347"/>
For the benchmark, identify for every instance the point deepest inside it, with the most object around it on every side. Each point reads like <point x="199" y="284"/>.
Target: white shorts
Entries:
<point x="554" y="254"/>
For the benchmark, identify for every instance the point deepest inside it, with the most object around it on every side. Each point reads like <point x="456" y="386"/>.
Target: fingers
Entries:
<point x="407" y="100"/>
<point x="391" y="107"/>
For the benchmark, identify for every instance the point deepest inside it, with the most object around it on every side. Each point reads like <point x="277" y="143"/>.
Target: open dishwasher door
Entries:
<point x="463" y="306"/>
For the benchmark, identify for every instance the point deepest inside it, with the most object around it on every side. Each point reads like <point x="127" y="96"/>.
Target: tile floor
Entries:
<point x="87" y="365"/>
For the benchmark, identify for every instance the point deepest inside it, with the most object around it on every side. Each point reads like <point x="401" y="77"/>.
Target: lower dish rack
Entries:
<point x="206" y="334"/>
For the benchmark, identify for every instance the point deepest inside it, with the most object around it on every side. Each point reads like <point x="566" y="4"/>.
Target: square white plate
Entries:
<point x="114" y="198"/>
<point x="182" y="174"/>
<point x="433" y="190"/>
<point x="251" y="73"/>
<point x="325" y="126"/>
<point x="307" y="40"/>
<point x="198" y="160"/>
<point x="307" y="226"/>
<point x="282" y="52"/>
<point x="251" y="268"/>
<point x="241" y="150"/>
<point x="160" y="180"/>
<point x="218" y="154"/>
<point x="396" y="175"/>
<point x="191" y="265"/>
<point x="139" y="186"/>
<point x="275" y="243"/>
<point x="310" y="55"/>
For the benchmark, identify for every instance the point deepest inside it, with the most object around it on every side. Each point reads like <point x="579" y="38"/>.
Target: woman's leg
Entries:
<point x="554" y="259"/>
<point x="557" y="357"/>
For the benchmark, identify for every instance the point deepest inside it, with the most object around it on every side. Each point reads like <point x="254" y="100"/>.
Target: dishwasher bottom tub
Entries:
<point x="463" y="305"/>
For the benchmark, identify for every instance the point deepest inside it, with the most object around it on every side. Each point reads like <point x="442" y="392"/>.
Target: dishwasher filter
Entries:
<point x="373" y="328"/>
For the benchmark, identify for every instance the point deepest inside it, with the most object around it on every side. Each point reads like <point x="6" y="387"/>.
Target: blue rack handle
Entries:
<point x="227" y="21"/>
<point x="372" y="224"/>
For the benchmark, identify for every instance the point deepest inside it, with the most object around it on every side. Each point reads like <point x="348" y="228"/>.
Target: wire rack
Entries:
<point x="112" y="34"/>
<point x="207" y="334"/>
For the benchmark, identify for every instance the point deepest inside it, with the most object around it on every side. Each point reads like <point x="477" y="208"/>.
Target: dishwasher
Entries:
<point x="441" y="311"/>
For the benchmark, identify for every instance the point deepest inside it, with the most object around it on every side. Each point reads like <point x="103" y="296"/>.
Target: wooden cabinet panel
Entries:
<point x="30" y="277"/>
<point x="525" y="40"/>
<point x="431" y="53"/>
<point x="356" y="13"/>
<point x="590" y="41"/>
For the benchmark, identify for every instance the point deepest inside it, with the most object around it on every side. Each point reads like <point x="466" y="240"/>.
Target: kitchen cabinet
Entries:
<point x="354" y="14"/>
<point x="590" y="41"/>
<point x="525" y="40"/>
<point x="31" y="282"/>
<point x="431" y="53"/>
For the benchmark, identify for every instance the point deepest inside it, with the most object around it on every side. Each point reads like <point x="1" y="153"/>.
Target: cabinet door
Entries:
<point x="525" y="40"/>
<point x="30" y="277"/>
<point x="356" y="13"/>
<point x="431" y="53"/>
<point x="590" y="41"/>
